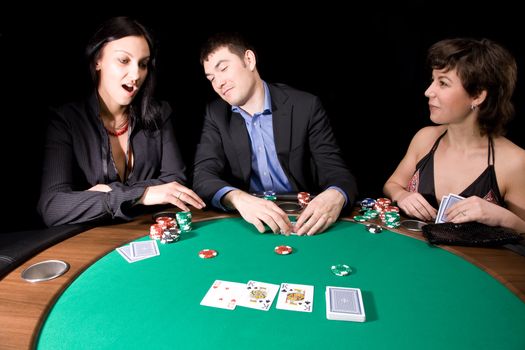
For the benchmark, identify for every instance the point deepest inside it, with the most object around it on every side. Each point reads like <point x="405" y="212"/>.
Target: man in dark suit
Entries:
<point x="265" y="137"/>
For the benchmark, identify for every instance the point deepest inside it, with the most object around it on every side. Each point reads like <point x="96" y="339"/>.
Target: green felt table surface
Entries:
<point x="416" y="296"/>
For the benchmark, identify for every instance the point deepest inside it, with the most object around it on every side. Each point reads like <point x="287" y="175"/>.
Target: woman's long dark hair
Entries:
<point x="144" y="108"/>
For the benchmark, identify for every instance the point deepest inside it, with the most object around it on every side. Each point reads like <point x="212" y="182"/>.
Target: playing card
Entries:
<point x="296" y="297"/>
<point x="125" y="251"/>
<point x="144" y="249"/>
<point x="258" y="295"/>
<point x="452" y="199"/>
<point x="294" y="231"/>
<point x="445" y="205"/>
<point x="442" y="205"/>
<point x="223" y="294"/>
<point x="345" y="304"/>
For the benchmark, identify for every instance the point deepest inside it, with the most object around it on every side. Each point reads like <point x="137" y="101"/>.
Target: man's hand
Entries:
<point x="320" y="213"/>
<point x="258" y="211"/>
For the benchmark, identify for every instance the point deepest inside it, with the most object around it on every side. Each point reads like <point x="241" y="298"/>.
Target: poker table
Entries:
<point x="415" y="295"/>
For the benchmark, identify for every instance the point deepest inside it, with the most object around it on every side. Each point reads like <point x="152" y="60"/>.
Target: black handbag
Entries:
<point x="469" y="234"/>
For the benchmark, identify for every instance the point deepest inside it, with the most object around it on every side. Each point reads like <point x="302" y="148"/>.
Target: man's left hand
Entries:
<point x="320" y="213"/>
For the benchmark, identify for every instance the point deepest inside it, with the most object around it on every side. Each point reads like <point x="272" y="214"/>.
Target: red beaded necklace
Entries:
<point x="120" y="130"/>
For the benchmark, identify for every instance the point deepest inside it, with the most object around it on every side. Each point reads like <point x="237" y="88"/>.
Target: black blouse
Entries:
<point x="485" y="186"/>
<point x="77" y="156"/>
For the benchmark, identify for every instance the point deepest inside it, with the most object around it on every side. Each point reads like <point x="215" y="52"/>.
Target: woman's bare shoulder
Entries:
<point x="508" y="155"/>
<point x="425" y="137"/>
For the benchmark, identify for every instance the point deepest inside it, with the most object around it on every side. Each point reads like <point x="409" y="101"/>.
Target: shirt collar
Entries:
<point x="267" y="107"/>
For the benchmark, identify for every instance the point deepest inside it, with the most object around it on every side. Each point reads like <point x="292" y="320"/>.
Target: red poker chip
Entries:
<point x="283" y="249"/>
<point x="156" y="231"/>
<point x="166" y="221"/>
<point x="207" y="253"/>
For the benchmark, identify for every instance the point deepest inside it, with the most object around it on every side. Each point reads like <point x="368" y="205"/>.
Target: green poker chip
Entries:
<point x="360" y="218"/>
<point x="341" y="270"/>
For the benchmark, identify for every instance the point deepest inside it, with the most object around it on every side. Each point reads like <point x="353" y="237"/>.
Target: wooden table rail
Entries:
<point x="24" y="305"/>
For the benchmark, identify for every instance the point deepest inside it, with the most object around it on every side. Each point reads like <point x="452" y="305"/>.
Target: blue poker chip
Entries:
<point x="368" y="203"/>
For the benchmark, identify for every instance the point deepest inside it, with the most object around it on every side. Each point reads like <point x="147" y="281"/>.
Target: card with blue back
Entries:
<point x="344" y="304"/>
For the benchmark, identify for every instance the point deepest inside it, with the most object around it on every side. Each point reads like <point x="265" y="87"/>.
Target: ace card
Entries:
<point x="296" y="297"/>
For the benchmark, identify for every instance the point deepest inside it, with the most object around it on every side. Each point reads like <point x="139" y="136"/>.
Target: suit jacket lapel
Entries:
<point x="282" y="126"/>
<point x="241" y="141"/>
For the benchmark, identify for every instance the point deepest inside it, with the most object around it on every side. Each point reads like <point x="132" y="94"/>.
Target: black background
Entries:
<point x="367" y="64"/>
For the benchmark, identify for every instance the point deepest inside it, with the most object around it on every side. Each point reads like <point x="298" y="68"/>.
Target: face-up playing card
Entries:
<point x="294" y="230"/>
<point x="144" y="249"/>
<point x="345" y="304"/>
<point x="223" y="294"/>
<point x="296" y="297"/>
<point x="258" y="295"/>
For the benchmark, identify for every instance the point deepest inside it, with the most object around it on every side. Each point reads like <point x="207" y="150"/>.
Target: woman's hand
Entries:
<point x="415" y="205"/>
<point x="171" y="193"/>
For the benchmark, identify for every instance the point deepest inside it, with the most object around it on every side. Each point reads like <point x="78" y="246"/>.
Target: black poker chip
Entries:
<point x="168" y="213"/>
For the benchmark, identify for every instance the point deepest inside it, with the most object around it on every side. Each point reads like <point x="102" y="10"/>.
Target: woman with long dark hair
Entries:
<point x="113" y="153"/>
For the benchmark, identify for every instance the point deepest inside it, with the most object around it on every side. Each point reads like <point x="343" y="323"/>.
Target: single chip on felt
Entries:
<point x="207" y="253"/>
<point x="283" y="249"/>
<point x="341" y="270"/>
<point x="373" y="228"/>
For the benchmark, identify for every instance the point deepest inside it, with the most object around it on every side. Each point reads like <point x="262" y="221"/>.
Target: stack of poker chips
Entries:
<point x="391" y="219"/>
<point x="156" y="231"/>
<point x="169" y="237"/>
<point x="367" y="211"/>
<point x="165" y="229"/>
<point x="368" y="215"/>
<point x="382" y="207"/>
<point x="388" y="213"/>
<point x="166" y="221"/>
<point x="270" y="196"/>
<point x="367" y="203"/>
<point x="303" y="198"/>
<point x="184" y="220"/>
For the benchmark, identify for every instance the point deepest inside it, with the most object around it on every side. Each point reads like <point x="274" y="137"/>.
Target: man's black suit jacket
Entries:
<point x="304" y="141"/>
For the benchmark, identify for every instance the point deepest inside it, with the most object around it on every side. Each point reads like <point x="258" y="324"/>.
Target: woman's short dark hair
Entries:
<point x="143" y="106"/>
<point x="481" y="65"/>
